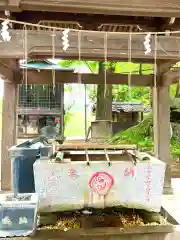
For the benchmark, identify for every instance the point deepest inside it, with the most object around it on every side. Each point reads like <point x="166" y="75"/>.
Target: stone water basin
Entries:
<point x="72" y="185"/>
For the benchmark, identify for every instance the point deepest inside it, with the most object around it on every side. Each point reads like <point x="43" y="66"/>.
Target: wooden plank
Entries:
<point x="46" y="77"/>
<point x="39" y="44"/>
<point x="114" y="155"/>
<point x="137" y="7"/>
<point x="93" y="146"/>
<point x="8" y="137"/>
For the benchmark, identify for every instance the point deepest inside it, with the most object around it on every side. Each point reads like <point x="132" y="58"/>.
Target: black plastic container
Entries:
<point x="22" y="160"/>
<point x="23" y="157"/>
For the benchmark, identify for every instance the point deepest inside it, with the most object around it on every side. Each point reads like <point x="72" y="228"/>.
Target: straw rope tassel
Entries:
<point x="25" y="57"/>
<point x="105" y="63"/>
<point x="53" y="57"/>
<point x="23" y="43"/>
<point x="79" y="54"/>
<point x="129" y="61"/>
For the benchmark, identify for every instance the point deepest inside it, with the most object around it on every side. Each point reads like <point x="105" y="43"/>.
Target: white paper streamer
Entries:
<point x="4" y="31"/>
<point x="147" y="44"/>
<point x="65" y="40"/>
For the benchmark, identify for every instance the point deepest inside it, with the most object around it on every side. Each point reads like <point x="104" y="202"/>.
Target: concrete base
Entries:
<point x="168" y="190"/>
<point x="101" y="130"/>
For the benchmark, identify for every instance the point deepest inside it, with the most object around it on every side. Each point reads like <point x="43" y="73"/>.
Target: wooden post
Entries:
<point x="161" y="119"/>
<point x="8" y="137"/>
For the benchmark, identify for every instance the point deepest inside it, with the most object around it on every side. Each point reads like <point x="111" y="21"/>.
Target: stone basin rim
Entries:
<point x="97" y="232"/>
<point x="109" y="231"/>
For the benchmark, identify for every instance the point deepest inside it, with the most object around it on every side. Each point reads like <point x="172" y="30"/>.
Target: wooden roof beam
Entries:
<point x="10" y="5"/>
<point x="14" y="4"/>
<point x="39" y="44"/>
<point x="45" y="77"/>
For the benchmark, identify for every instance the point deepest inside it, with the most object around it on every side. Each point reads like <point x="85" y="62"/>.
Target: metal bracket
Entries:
<point x="107" y="158"/>
<point x="87" y="157"/>
<point x="132" y="156"/>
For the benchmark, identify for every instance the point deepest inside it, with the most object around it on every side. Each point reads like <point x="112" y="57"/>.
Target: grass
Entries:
<point x="76" y="124"/>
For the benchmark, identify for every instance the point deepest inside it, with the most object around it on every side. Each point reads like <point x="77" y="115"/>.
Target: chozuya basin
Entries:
<point x="69" y="186"/>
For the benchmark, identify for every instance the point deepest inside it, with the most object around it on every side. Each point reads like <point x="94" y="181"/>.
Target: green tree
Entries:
<point x="103" y="95"/>
<point x="121" y="92"/>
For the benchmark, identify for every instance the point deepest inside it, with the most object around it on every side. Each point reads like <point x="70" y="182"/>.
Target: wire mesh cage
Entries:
<point x="38" y="103"/>
<point x="40" y="96"/>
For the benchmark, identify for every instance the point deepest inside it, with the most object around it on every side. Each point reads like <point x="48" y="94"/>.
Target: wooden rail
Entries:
<point x="94" y="146"/>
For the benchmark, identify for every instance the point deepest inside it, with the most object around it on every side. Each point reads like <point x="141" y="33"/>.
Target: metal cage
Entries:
<point x="36" y="104"/>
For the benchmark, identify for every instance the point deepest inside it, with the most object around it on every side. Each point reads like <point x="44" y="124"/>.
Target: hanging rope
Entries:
<point x="155" y="61"/>
<point x="105" y="64"/>
<point x="130" y="72"/>
<point x="53" y="57"/>
<point x="40" y="26"/>
<point x="85" y="109"/>
<point x="79" y="54"/>
<point x="25" y="70"/>
<point x="155" y="93"/>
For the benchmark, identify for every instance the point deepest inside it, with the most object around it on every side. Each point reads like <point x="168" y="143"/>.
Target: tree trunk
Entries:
<point x="104" y="103"/>
<point x="104" y="100"/>
<point x="101" y="129"/>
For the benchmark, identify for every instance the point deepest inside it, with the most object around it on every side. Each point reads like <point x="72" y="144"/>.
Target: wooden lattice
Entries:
<point x="56" y="24"/>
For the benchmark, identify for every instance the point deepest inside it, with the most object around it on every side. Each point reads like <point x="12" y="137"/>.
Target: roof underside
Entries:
<point x="161" y="8"/>
<point x="97" y="22"/>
